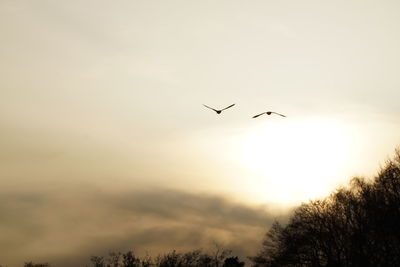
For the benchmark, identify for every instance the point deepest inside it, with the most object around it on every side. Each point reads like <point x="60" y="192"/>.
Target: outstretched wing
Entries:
<point x="279" y="114"/>
<point x="228" y="107"/>
<point x="258" y="115"/>
<point x="210" y="108"/>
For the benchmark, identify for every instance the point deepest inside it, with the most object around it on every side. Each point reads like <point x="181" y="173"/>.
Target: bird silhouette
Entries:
<point x="220" y="110"/>
<point x="268" y="113"/>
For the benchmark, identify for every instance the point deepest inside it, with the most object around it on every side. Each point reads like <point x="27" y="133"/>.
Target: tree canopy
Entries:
<point x="356" y="225"/>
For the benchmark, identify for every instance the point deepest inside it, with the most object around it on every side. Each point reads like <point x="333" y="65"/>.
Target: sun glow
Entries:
<point x="296" y="161"/>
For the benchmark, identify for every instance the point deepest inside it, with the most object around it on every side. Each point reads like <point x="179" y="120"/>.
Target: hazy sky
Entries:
<point x="105" y="144"/>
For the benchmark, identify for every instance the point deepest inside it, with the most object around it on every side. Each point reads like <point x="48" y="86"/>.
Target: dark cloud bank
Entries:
<point x="65" y="229"/>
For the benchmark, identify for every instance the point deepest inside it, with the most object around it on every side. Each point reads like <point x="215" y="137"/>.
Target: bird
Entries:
<point x="219" y="111"/>
<point x="268" y="113"/>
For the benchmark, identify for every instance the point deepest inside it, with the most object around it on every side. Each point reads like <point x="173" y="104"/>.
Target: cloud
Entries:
<point x="66" y="228"/>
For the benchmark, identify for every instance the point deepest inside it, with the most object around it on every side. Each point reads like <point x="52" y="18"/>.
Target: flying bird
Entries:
<point x="219" y="111"/>
<point x="268" y="113"/>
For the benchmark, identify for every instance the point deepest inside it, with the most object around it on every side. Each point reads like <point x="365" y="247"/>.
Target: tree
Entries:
<point x="31" y="264"/>
<point x="354" y="226"/>
<point x="233" y="262"/>
<point x="96" y="261"/>
<point x="114" y="259"/>
<point x="129" y="260"/>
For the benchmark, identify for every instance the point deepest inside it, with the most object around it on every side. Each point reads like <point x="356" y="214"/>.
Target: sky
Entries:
<point x="106" y="145"/>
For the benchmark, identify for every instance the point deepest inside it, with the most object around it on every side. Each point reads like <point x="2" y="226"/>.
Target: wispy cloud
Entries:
<point x="66" y="228"/>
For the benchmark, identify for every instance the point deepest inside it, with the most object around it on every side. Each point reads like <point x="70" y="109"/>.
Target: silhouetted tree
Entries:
<point x="233" y="262"/>
<point x="31" y="264"/>
<point x="129" y="260"/>
<point x="97" y="261"/>
<point x="114" y="259"/>
<point x="195" y="258"/>
<point x="147" y="261"/>
<point x="354" y="226"/>
<point x="169" y="260"/>
<point x="117" y="259"/>
<point x="220" y="254"/>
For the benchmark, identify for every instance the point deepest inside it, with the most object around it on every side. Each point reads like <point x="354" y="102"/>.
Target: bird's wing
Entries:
<point x="279" y="114"/>
<point x="255" y="116"/>
<point x="210" y="108"/>
<point x="228" y="107"/>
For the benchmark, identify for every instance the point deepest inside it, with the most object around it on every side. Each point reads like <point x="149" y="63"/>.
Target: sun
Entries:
<point x="296" y="161"/>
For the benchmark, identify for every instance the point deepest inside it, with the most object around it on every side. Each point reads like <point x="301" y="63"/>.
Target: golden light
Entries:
<point x="296" y="161"/>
